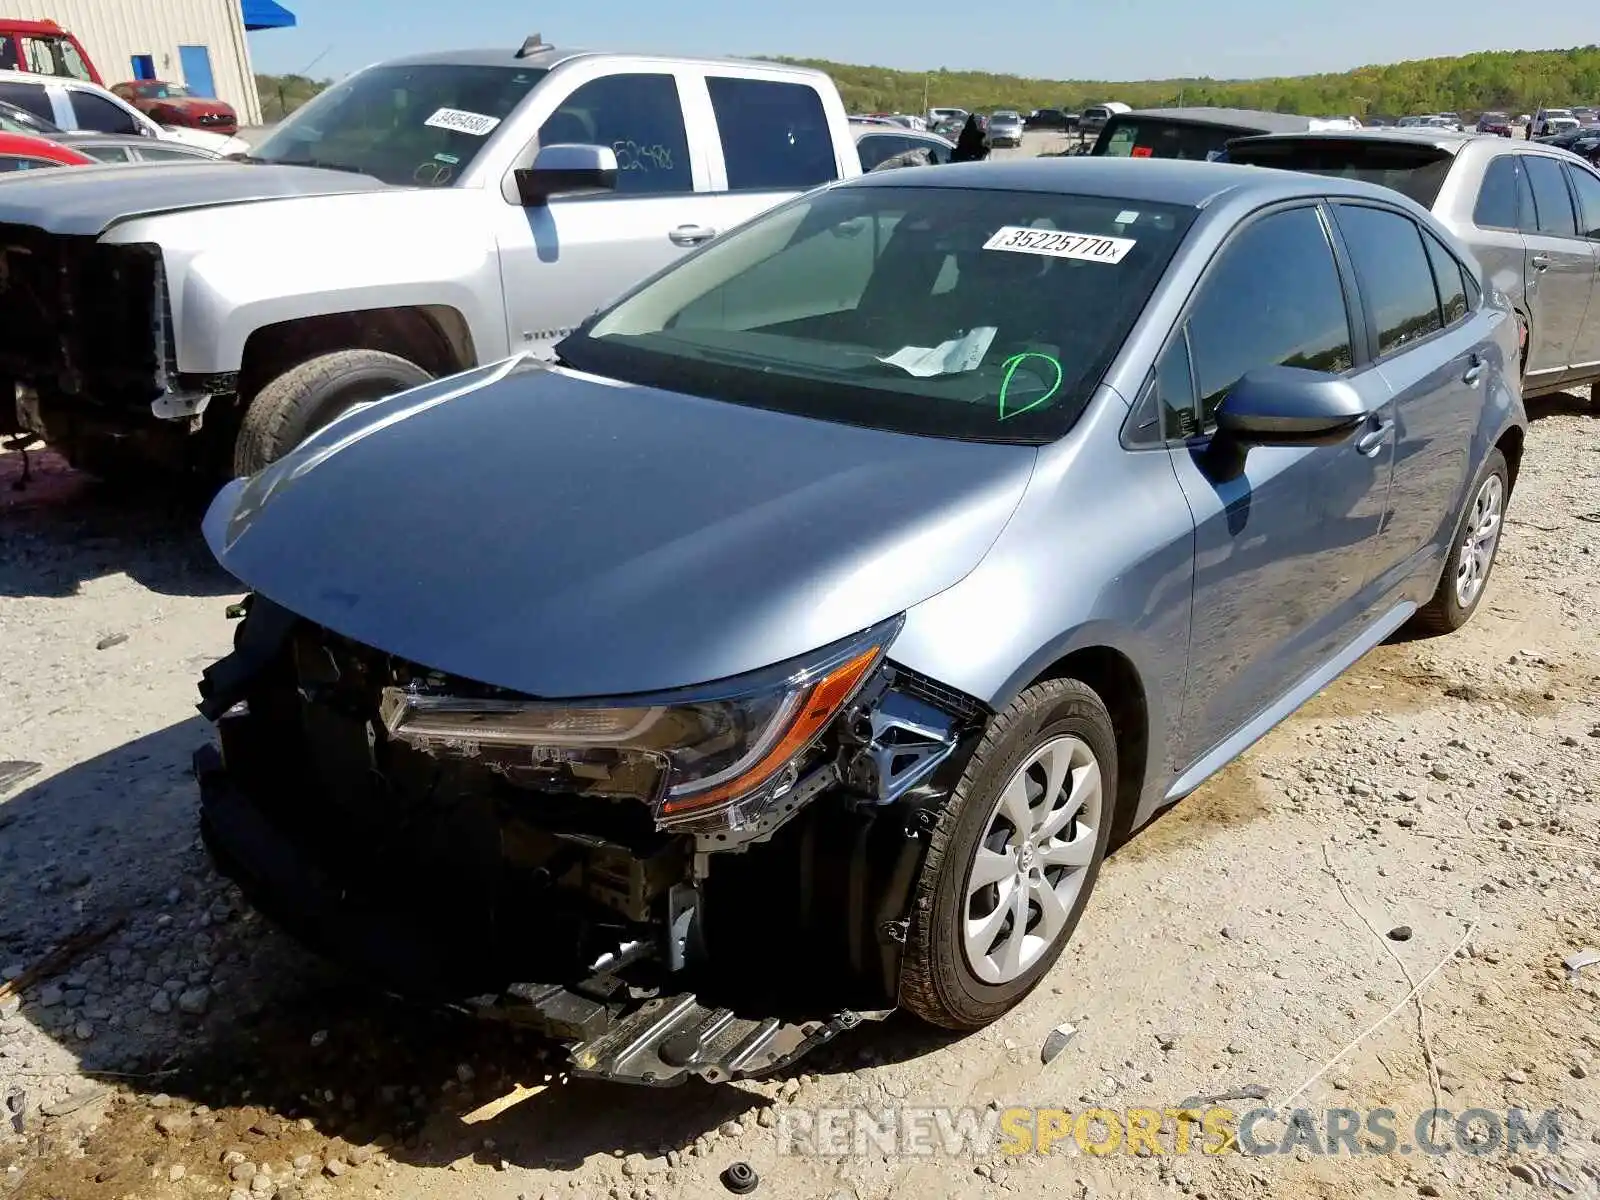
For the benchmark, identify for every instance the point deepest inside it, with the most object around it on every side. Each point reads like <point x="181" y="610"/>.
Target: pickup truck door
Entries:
<point x="562" y="260"/>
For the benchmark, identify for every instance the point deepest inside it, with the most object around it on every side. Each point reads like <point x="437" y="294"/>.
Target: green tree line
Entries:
<point x="282" y="94"/>
<point x="1516" y="81"/>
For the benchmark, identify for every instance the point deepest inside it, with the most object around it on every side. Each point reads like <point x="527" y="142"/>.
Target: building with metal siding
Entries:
<point x="181" y="41"/>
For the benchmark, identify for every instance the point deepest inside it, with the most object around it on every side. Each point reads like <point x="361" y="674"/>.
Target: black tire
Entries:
<point x="1446" y="612"/>
<point x="305" y="398"/>
<point x="937" y="983"/>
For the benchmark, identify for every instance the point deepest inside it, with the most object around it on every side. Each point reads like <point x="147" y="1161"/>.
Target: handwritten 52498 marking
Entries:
<point x="1059" y="243"/>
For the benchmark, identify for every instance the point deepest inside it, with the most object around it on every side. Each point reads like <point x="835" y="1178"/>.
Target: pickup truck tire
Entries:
<point x="940" y="979"/>
<point x="305" y="398"/>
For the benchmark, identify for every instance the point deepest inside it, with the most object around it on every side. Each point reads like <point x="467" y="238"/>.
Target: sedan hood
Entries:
<point x="566" y="536"/>
<point x="89" y="200"/>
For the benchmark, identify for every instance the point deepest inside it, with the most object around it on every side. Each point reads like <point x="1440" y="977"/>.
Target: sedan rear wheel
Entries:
<point x="1472" y="551"/>
<point x="1012" y="858"/>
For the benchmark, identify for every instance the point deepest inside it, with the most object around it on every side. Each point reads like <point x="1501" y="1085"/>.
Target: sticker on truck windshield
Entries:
<point x="477" y="124"/>
<point x="1054" y="243"/>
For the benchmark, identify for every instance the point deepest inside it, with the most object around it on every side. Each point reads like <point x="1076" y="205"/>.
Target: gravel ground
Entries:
<point x="1451" y="786"/>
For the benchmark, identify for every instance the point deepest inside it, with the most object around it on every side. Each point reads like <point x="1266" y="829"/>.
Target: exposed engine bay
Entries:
<point x="418" y="829"/>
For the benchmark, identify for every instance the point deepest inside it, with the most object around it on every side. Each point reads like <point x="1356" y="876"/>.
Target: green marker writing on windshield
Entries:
<point x="1010" y="368"/>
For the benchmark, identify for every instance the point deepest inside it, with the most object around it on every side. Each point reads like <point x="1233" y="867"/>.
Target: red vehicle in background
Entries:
<point x="24" y="152"/>
<point x="171" y="104"/>
<point x="44" y="48"/>
<point x="1495" y="122"/>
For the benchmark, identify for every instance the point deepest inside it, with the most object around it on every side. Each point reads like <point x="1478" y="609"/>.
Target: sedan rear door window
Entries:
<point x="1450" y="277"/>
<point x="1587" y="187"/>
<point x="1499" y="195"/>
<point x="1552" y="201"/>
<point x="1394" y="274"/>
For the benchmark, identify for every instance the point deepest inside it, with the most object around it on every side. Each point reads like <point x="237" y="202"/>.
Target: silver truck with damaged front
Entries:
<point x="421" y="217"/>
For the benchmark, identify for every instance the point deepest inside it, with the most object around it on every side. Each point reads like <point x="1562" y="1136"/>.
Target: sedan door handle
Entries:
<point x="1541" y="262"/>
<point x="1473" y="373"/>
<point x="692" y="235"/>
<point x="1373" y="440"/>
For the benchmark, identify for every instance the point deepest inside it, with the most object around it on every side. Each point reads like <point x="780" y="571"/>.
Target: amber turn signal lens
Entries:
<point x="820" y="704"/>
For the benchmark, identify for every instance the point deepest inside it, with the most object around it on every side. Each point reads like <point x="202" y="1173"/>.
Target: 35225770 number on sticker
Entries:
<point x="1060" y="243"/>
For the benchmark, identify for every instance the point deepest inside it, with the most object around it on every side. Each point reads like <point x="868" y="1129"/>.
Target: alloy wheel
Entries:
<point x="1478" y="540"/>
<point x="1031" y="862"/>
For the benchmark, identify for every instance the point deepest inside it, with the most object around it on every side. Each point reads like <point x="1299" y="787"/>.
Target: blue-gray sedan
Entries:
<point x="828" y="607"/>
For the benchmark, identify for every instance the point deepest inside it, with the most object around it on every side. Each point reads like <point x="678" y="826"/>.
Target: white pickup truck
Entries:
<point x="420" y="217"/>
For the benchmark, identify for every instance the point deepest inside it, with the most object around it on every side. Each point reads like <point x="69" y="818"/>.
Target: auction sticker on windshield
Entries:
<point x="1057" y="243"/>
<point x="476" y="124"/>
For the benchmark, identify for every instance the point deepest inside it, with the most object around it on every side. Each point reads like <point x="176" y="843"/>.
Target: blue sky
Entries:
<point x="1123" y="39"/>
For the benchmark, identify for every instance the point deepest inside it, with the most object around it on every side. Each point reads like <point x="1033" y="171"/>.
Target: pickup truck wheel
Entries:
<point x="1012" y="858"/>
<point x="305" y="398"/>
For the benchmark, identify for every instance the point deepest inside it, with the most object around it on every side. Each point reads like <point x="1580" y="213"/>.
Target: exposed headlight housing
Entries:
<point x="705" y="758"/>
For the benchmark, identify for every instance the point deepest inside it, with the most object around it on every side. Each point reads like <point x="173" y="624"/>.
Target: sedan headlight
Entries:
<point x="705" y="759"/>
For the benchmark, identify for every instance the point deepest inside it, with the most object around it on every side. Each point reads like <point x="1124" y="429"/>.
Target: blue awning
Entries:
<point x="265" y="14"/>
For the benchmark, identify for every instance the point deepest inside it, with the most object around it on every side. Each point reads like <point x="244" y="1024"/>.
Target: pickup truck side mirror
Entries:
<point x="567" y="170"/>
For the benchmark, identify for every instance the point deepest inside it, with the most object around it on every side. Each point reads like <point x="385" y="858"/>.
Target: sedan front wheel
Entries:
<point x="1013" y="858"/>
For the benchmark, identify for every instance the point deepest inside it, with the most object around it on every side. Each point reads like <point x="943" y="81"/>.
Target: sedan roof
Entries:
<point x="1156" y="180"/>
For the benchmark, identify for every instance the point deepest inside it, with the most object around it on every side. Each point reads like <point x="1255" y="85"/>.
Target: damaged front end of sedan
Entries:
<point x="706" y="882"/>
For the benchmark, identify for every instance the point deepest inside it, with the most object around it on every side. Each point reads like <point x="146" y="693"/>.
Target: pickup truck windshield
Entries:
<point x="409" y="124"/>
<point x="982" y="315"/>
<point x="1413" y="169"/>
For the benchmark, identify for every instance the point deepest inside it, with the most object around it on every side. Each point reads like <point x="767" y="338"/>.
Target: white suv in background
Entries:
<point x="75" y="104"/>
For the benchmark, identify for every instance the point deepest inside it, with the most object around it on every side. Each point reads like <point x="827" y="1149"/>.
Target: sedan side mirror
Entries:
<point x="1280" y="406"/>
<point x="1290" y="406"/>
<point x="567" y="170"/>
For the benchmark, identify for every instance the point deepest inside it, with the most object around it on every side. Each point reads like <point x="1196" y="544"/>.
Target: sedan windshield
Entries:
<point x="419" y="124"/>
<point x="949" y="312"/>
